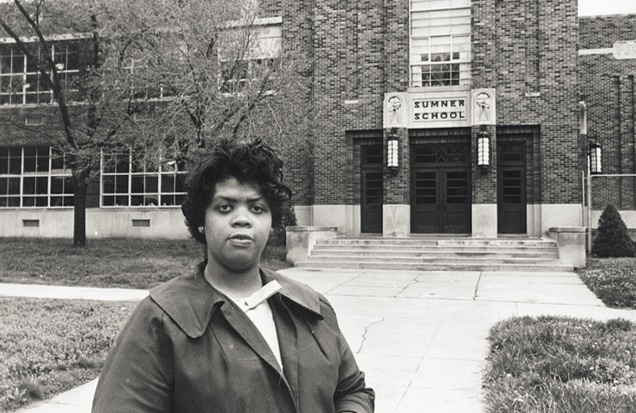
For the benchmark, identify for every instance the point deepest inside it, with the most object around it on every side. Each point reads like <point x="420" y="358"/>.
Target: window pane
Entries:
<point x="136" y="200"/>
<point x="4" y="165"/>
<point x="137" y="184"/>
<point x="108" y="183"/>
<point x="121" y="184"/>
<point x="41" y="185"/>
<point x="180" y="184"/>
<point x="14" y="186"/>
<point x="151" y="184"/>
<point x="108" y="201"/>
<point x="121" y="201"/>
<point x="151" y="200"/>
<point x="167" y="200"/>
<point x="29" y="186"/>
<point x="42" y="161"/>
<point x="167" y="183"/>
<point x="57" y="186"/>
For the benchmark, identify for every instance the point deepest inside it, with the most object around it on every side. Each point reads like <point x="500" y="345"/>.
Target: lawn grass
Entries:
<point x="613" y="280"/>
<point x="50" y="346"/>
<point x="125" y="263"/>
<point x="561" y="365"/>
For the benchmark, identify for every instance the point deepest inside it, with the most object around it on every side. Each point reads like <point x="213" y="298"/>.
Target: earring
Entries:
<point x="201" y="229"/>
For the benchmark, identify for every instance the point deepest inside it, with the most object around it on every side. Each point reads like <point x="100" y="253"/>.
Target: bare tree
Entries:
<point x="203" y="69"/>
<point x="222" y="71"/>
<point x="94" y="105"/>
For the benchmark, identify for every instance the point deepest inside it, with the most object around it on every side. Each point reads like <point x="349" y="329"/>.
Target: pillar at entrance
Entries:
<point x="396" y="220"/>
<point x="396" y="210"/>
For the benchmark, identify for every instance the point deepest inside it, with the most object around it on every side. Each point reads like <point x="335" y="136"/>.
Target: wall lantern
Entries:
<point x="483" y="150"/>
<point x="595" y="157"/>
<point x="392" y="158"/>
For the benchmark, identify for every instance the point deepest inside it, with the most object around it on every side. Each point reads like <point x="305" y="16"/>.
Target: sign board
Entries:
<point x="625" y="50"/>
<point x="440" y="109"/>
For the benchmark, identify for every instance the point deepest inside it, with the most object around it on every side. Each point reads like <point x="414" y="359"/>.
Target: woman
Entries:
<point x="233" y="337"/>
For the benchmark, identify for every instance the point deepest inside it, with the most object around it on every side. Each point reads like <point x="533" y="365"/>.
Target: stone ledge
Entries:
<point x="300" y="240"/>
<point x="568" y="230"/>
<point x="310" y="229"/>
<point x="571" y="243"/>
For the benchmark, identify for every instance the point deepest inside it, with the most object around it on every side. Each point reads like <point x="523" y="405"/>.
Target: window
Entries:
<point x="141" y="182"/>
<point x="34" y="177"/>
<point x="440" y="43"/>
<point x="149" y="89"/>
<point x="237" y="74"/>
<point x="20" y="80"/>
<point x="237" y="68"/>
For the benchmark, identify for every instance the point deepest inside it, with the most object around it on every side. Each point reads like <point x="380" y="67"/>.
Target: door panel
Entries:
<point x="441" y="201"/>
<point x="511" y="189"/>
<point x="372" y="189"/>
<point x="425" y="218"/>
<point x="456" y="217"/>
<point x="372" y="193"/>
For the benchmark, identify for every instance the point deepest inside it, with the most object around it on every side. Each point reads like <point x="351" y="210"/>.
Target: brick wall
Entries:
<point x="527" y="51"/>
<point x="599" y="32"/>
<point x="608" y="89"/>
<point x="349" y="52"/>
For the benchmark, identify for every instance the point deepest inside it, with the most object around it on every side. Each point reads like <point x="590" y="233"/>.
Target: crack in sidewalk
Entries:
<point x="477" y="286"/>
<point x="366" y="331"/>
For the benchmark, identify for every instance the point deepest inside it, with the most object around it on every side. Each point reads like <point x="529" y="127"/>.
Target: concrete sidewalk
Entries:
<point x="419" y="336"/>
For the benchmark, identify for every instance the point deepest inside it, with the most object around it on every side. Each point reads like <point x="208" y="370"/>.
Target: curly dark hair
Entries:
<point x="246" y="162"/>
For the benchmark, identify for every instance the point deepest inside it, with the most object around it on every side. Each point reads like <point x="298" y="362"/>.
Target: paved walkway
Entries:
<point x="419" y="336"/>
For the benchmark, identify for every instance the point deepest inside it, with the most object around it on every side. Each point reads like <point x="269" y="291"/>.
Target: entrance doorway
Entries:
<point x="440" y="188"/>
<point x="511" y="188"/>
<point x="372" y="188"/>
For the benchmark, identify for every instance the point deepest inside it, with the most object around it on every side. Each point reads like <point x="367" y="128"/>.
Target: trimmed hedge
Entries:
<point x="612" y="238"/>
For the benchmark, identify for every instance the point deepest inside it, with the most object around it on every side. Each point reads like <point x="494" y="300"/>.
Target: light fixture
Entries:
<point x="483" y="149"/>
<point x="595" y="157"/>
<point x="392" y="158"/>
<point x="59" y="66"/>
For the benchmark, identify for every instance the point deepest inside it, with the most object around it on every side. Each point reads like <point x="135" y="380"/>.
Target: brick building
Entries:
<point x="607" y="66"/>
<point x="444" y="117"/>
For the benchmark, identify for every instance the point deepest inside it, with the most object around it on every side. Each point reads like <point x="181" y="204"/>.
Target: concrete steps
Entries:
<point x="427" y="254"/>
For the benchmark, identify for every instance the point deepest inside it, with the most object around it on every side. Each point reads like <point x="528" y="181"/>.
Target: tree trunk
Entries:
<point x="79" y="211"/>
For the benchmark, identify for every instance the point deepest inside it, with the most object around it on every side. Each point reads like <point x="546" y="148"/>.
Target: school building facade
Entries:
<point x="445" y="117"/>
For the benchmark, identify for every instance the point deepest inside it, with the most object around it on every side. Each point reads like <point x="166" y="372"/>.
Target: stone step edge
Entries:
<point x="422" y="260"/>
<point x="438" y="267"/>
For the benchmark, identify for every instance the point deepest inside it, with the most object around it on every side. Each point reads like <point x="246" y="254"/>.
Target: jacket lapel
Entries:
<point x="248" y="331"/>
<point x="288" y="342"/>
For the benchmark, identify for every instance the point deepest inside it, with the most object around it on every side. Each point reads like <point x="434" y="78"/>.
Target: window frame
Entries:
<point x="41" y="93"/>
<point x="39" y="165"/>
<point x="266" y="47"/>
<point x="130" y="177"/>
<point x="456" y="70"/>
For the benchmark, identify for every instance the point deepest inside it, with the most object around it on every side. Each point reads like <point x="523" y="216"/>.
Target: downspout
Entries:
<point x="586" y="196"/>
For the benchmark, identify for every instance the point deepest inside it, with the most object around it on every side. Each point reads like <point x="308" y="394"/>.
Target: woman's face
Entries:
<point x="237" y="224"/>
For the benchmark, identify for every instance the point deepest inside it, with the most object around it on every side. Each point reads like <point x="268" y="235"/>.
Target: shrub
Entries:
<point x="278" y="236"/>
<point x="612" y="238"/>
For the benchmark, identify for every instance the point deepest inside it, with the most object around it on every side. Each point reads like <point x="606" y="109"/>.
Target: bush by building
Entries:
<point x="612" y="238"/>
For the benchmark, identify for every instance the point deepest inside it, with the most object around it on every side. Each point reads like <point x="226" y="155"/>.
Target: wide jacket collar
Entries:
<point x="191" y="302"/>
